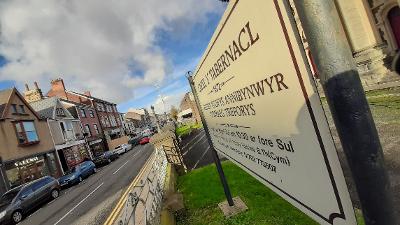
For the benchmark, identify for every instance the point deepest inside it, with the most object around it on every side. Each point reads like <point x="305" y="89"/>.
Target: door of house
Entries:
<point x="394" y="19"/>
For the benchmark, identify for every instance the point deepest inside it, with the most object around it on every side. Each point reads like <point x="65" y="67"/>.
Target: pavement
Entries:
<point x="195" y="150"/>
<point x="91" y="201"/>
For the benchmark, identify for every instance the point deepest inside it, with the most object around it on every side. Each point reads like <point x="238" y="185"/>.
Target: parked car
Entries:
<point x="78" y="173"/>
<point x="144" y="140"/>
<point x="105" y="158"/>
<point x="19" y="201"/>
<point x="121" y="149"/>
<point x="135" y="140"/>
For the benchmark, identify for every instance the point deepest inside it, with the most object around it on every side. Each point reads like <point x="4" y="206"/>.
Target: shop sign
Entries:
<point x="260" y="103"/>
<point x="26" y="161"/>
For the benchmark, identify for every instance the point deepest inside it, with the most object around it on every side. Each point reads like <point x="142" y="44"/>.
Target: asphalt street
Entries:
<point x="91" y="201"/>
<point x="196" y="150"/>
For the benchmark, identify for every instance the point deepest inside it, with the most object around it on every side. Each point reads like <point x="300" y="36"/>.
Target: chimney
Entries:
<point x="87" y="93"/>
<point x="57" y="85"/>
<point x="33" y="95"/>
<point x="36" y="85"/>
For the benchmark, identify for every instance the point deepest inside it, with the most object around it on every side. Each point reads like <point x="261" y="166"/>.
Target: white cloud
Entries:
<point x="169" y="101"/>
<point x="94" y="45"/>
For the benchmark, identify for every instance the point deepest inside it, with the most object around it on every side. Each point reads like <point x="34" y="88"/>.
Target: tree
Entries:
<point x="174" y="113"/>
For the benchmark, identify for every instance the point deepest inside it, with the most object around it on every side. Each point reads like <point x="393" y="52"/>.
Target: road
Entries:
<point x="91" y="201"/>
<point x="196" y="150"/>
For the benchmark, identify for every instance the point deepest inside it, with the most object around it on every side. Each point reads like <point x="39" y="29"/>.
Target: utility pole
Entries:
<point x="350" y="110"/>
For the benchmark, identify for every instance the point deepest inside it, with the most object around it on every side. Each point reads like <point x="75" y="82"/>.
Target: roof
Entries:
<point x="90" y="97"/>
<point x="45" y="107"/>
<point x="133" y="115"/>
<point x="4" y="98"/>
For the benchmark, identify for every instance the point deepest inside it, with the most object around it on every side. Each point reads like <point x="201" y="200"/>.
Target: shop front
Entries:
<point x="97" y="147"/>
<point x="30" y="168"/>
<point x="73" y="155"/>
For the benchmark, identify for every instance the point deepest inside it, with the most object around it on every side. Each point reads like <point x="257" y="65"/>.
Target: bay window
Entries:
<point x="26" y="132"/>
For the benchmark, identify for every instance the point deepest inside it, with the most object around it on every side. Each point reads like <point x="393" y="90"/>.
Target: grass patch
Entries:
<point x="183" y="130"/>
<point x="186" y="129"/>
<point x="202" y="192"/>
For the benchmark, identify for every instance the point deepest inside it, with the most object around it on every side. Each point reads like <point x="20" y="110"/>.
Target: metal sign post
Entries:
<point x="349" y="107"/>
<point x="217" y="161"/>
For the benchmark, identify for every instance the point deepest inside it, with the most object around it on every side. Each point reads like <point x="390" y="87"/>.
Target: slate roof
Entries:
<point x="45" y="107"/>
<point x="4" y="97"/>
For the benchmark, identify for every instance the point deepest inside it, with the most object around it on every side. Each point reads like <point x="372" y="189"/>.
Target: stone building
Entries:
<point x="372" y="28"/>
<point x="188" y="109"/>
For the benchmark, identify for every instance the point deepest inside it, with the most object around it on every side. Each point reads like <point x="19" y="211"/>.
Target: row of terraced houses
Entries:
<point x="49" y="134"/>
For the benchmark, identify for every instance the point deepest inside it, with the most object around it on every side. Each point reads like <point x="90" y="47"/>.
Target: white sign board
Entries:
<point x="259" y="101"/>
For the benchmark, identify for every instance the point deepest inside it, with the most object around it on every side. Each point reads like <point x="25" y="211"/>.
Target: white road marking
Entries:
<point x="191" y="147"/>
<point x="79" y="203"/>
<point x="120" y="167"/>
<point x="193" y="139"/>
<point x="195" y="165"/>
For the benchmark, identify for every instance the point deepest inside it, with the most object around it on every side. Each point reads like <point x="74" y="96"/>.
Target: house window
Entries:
<point x="103" y="123"/>
<point x="26" y="132"/>
<point x="22" y="109"/>
<point x="91" y="113"/>
<point x="17" y="109"/>
<point x="87" y="130"/>
<point x="83" y="113"/>
<point x="107" y="121"/>
<point x="60" y="112"/>
<point x="13" y="108"/>
<point x="100" y="107"/>
<point x="96" y="129"/>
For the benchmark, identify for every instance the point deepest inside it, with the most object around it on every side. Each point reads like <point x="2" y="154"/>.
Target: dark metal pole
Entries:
<point x="349" y="107"/>
<point x="217" y="161"/>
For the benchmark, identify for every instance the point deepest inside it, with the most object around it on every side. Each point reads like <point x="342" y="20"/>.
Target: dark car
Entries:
<point x="19" y="201"/>
<point x="135" y="140"/>
<point x="77" y="174"/>
<point x="105" y="158"/>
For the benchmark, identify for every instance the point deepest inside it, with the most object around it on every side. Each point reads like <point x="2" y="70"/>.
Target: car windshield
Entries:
<point x="9" y="196"/>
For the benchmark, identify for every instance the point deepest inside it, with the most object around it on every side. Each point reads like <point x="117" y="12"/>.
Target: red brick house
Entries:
<point x="90" y="124"/>
<point x="107" y="112"/>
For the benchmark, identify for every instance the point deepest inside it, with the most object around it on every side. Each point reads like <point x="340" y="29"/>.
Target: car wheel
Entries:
<point x="80" y="179"/>
<point x="95" y="170"/>
<point x="55" y="193"/>
<point x="16" y="217"/>
<point x="109" y="161"/>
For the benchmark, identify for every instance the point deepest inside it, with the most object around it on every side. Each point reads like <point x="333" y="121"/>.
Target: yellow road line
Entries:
<point x="117" y="209"/>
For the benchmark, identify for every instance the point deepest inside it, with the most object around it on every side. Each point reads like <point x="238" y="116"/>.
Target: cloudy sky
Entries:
<point x="130" y="52"/>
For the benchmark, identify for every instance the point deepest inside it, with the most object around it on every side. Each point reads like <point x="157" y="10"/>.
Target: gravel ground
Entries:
<point x="385" y="108"/>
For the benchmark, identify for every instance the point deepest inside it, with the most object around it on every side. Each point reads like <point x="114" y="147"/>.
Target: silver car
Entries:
<point x="121" y="149"/>
<point x="18" y="202"/>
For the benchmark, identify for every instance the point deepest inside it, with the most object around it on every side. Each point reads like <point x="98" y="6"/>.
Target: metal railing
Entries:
<point x="174" y="155"/>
